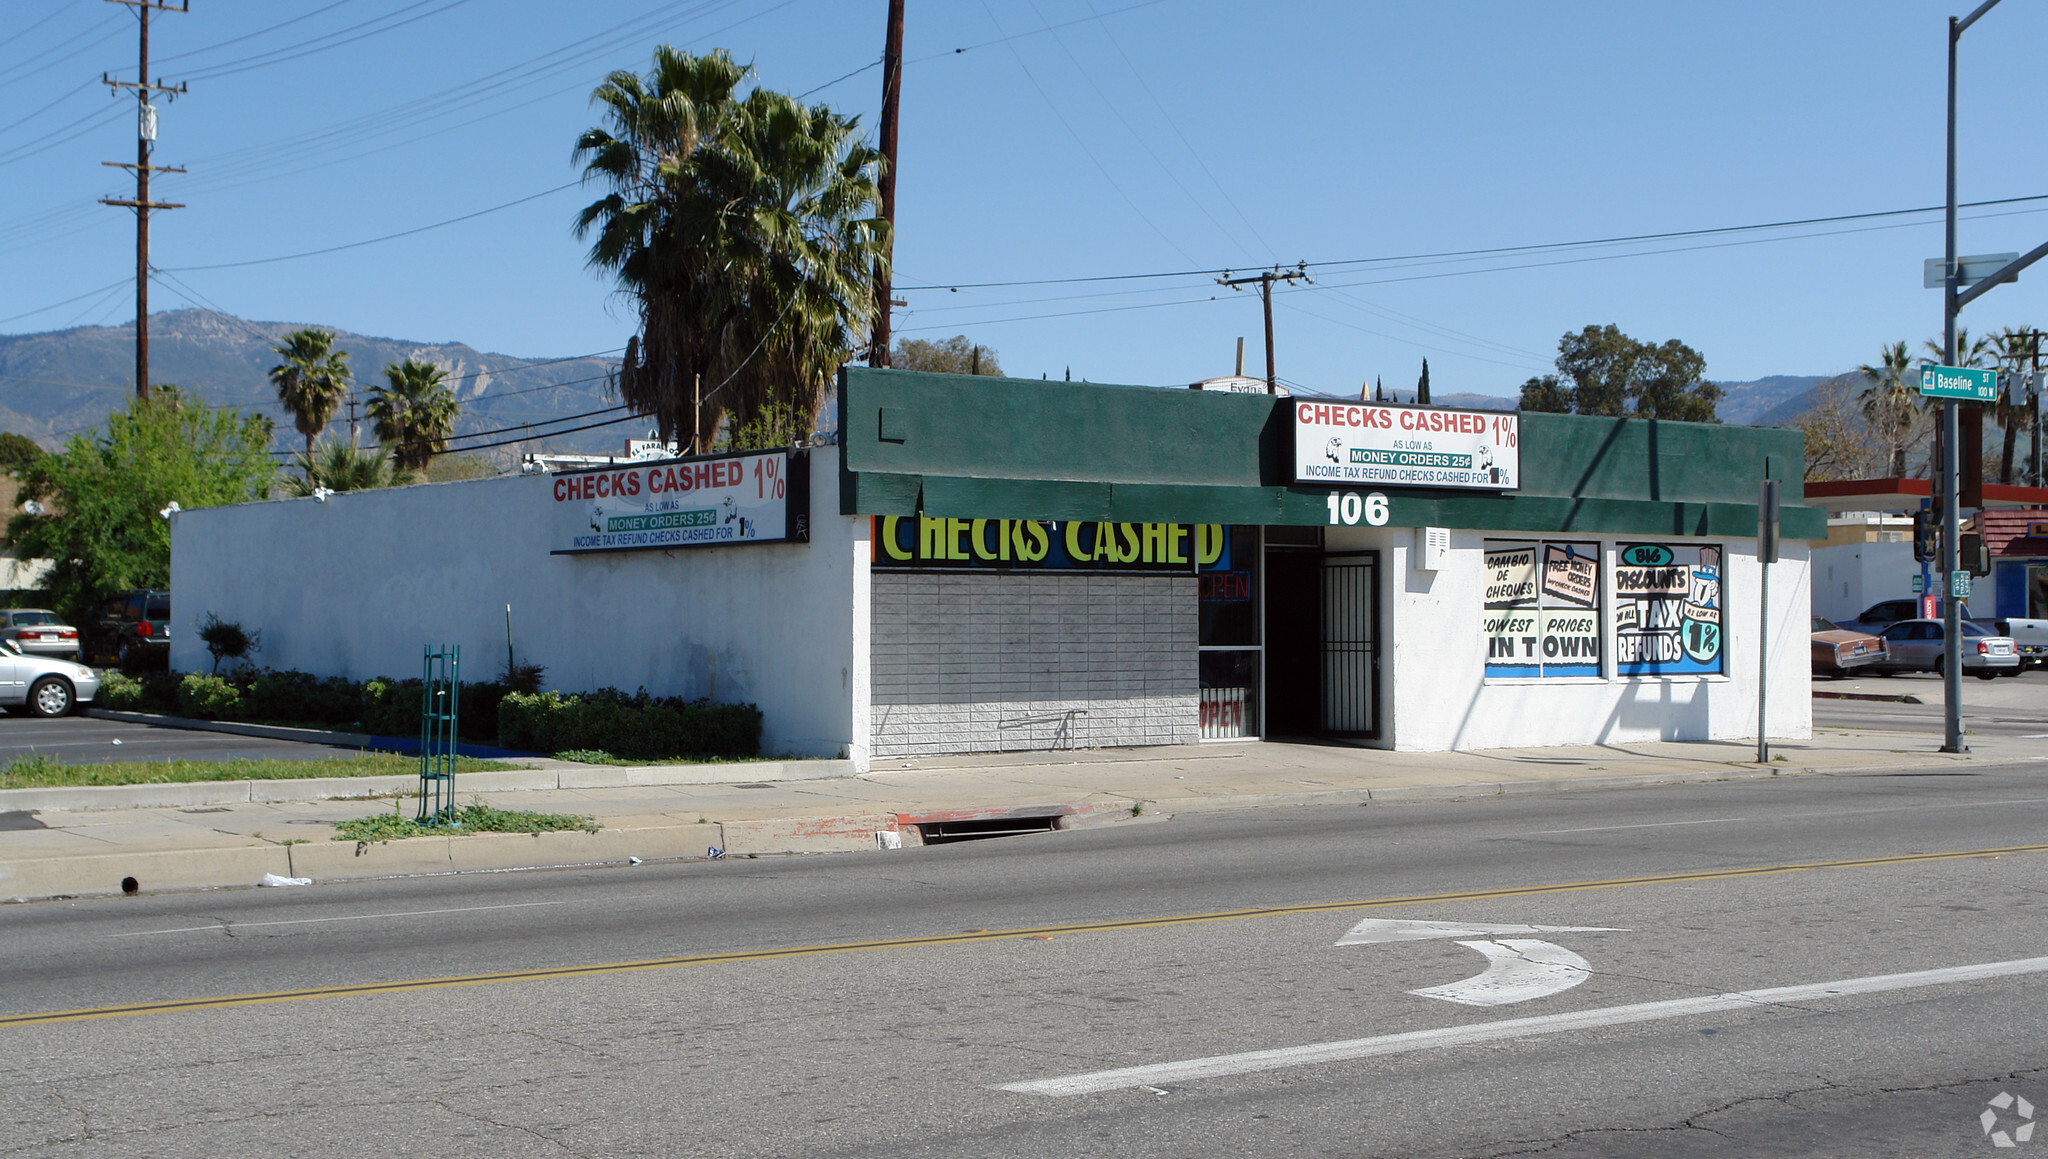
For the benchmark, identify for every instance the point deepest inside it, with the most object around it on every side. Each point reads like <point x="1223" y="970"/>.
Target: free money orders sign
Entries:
<point x="1961" y="382"/>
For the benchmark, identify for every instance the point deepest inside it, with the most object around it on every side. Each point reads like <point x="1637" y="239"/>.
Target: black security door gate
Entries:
<point x="1351" y="654"/>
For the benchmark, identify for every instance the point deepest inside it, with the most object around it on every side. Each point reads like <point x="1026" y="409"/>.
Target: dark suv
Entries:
<point x="131" y="630"/>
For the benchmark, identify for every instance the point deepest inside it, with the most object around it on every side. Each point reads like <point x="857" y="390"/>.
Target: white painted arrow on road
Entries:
<point x="1517" y="969"/>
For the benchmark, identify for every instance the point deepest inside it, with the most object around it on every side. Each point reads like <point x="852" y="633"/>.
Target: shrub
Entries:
<point x="207" y="697"/>
<point x="226" y="640"/>
<point x="301" y="698"/>
<point x="639" y="726"/>
<point x="118" y="690"/>
<point x="392" y="708"/>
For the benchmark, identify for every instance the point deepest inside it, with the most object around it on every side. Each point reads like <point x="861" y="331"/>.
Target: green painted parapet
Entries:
<point x="999" y="448"/>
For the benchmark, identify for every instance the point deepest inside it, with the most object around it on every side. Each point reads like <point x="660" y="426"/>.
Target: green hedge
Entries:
<point x="639" y="726"/>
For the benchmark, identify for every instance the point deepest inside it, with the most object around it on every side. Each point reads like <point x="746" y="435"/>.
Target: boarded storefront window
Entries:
<point x="1668" y="609"/>
<point x="1542" y="609"/>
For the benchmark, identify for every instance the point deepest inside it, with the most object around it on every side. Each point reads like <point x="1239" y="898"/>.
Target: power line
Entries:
<point x="374" y="240"/>
<point x="1500" y="250"/>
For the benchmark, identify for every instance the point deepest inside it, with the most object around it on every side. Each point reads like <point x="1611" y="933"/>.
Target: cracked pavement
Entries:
<point x="898" y="1049"/>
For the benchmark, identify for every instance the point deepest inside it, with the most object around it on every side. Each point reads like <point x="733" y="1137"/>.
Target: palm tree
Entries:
<point x="416" y="412"/>
<point x="745" y="232"/>
<point x="311" y="381"/>
<point x="1891" y="404"/>
<point x="339" y="466"/>
<point x="2015" y="348"/>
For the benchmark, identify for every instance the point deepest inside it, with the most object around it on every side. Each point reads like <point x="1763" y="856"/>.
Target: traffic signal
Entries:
<point x="1924" y="547"/>
<point x="1975" y="558"/>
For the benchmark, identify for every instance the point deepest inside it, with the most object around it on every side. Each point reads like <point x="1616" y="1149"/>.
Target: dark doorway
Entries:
<point x="1294" y="644"/>
<point x="1350" y="644"/>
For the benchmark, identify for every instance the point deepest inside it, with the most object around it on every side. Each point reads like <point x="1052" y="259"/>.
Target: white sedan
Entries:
<point x="43" y="685"/>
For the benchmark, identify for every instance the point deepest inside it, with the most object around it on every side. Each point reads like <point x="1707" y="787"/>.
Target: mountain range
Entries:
<point x="60" y="382"/>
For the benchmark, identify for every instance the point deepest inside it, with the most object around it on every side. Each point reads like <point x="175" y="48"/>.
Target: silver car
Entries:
<point x="39" y="632"/>
<point x="41" y="685"/>
<point x="1916" y="646"/>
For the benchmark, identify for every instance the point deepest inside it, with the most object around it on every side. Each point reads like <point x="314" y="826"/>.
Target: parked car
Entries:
<point x="39" y="632"/>
<point x="1837" y="650"/>
<point x="131" y="630"/>
<point x="1884" y="613"/>
<point x="2032" y="638"/>
<point x="1916" y="646"/>
<point x="43" y="685"/>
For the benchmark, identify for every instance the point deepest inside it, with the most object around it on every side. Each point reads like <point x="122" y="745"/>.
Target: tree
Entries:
<point x="1891" y="404"/>
<point x="18" y="453"/>
<point x="955" y="355"/>
<point x="1610" y="373"/>
<point x="103" y="498"/>
<point x="339" y="466"/>
<point x="1547" y="394"/>
<point x="415" y="412"/>
<point x="745" y="232"/>
<point x="2016" y="349"/>
<point x="311" y="381"/>
<point x="1839" y="444"/>
<point x="1422" y="385"/>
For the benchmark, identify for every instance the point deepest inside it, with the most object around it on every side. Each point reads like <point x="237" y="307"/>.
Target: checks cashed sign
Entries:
<point x="1345" y="444"/>
<point x="762" y="497"/>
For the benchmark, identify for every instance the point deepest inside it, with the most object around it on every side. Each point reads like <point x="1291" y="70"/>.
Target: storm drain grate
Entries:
<point x="942" y="832"/>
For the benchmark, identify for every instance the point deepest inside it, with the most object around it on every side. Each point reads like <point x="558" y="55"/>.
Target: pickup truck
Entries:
<point x="2031" y="637"/>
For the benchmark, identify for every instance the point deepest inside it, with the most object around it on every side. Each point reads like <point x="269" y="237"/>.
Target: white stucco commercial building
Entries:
<point x="990" y="564"/>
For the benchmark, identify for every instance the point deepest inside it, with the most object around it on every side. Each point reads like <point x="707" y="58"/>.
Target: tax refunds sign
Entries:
<point x="1342" y="443"/>
<point x="763" y="497"/>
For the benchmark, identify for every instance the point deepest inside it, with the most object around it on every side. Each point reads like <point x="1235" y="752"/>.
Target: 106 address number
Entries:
<point x="1348" y="507"/>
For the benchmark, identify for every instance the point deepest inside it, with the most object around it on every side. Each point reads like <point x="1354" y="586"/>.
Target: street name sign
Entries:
<point x="1961" y="382"/>
<point x="1970" y="270"/>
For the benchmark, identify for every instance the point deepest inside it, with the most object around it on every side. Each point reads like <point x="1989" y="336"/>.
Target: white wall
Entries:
<point x="1434" y="695"/>
<point x="1850" y="577"/>
<point x="357" y="585"/>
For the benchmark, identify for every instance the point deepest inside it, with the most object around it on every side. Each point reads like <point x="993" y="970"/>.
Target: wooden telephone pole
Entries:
<point x="145" y="141"/>
<point x="892" y="93"/>
<point x="1265" y="281"/>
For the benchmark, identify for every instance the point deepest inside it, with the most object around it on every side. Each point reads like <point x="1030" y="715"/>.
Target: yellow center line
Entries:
<point x="769" y="955"/>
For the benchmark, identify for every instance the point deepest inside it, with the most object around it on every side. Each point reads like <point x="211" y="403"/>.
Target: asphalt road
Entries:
<point x="82" y="739"/>
<point x="905" y="1003"/>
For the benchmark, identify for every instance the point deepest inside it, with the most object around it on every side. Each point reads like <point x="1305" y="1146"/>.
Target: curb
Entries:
<point x="1888" y="697"/>
<point x="181" y="794"/>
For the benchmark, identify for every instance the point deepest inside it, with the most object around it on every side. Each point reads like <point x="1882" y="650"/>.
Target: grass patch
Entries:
<point x="477" y="818"/>
<point x="39" y="771"/>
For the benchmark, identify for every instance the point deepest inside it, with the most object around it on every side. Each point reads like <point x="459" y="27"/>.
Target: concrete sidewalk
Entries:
<point x="51" y="848"/>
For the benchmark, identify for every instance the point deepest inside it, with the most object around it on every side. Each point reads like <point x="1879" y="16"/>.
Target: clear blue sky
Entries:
<point x="1177" y="135"/>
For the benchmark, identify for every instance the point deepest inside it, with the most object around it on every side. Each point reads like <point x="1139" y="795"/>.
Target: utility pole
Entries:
<point x="892" y="93"/>
<point x="145" y="140"/>
<point x="1265" y="281"/>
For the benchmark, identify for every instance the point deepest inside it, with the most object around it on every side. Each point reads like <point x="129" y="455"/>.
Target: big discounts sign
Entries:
<point x="728" y="499"/>
<point x="1343" y="443"/>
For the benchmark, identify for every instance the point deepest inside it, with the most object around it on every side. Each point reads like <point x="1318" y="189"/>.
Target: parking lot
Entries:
<point x="2016" y="705"/>
<point x="78" y="739"/>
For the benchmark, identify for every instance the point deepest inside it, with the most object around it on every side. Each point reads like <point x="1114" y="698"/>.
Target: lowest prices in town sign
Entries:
<point x="762" y="497"/>
<point x="1406" y="446"/>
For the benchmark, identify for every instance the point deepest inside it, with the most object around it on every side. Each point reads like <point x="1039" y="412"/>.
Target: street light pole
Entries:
<point x="1949" y="487"/>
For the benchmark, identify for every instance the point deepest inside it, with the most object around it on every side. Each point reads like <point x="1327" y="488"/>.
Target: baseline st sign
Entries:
<point x="1338" y="443"/>
<point x="761" y="497"/>
<point x="1962" y="382"/>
